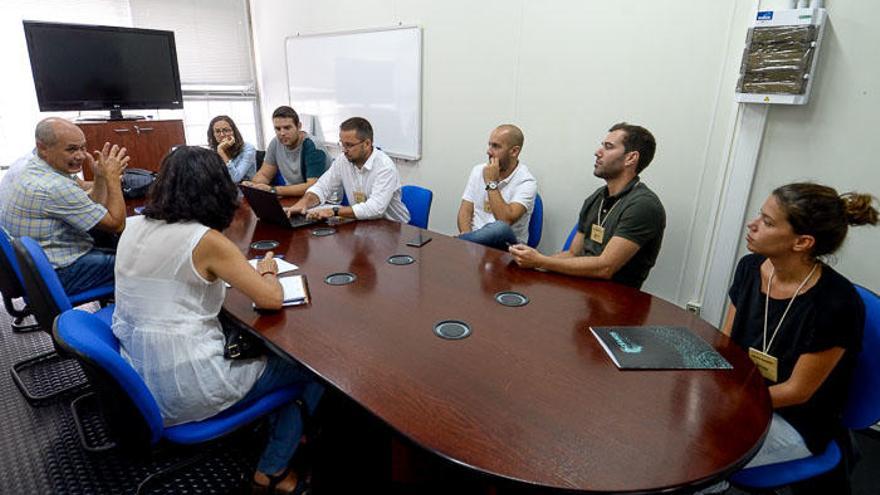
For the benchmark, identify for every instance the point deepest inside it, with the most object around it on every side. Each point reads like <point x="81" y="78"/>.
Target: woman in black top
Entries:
<point x="800" y="320"/>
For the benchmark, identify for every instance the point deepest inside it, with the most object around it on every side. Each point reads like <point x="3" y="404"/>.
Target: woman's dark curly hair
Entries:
<point x="233" y="150"/>
<point x="193" y="185"/>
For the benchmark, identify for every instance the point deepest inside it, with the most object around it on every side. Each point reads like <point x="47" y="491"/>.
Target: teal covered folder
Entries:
<point x="658" y="347"/>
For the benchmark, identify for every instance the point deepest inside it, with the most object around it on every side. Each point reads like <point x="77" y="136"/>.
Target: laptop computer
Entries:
<point x="267" y="207"/>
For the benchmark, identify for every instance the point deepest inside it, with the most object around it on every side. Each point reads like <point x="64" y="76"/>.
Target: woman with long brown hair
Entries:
<point x="240" y="157"/>
<point x="800" y="320"/>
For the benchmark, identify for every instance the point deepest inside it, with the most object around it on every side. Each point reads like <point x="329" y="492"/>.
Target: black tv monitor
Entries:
<point x="81" y="67"/>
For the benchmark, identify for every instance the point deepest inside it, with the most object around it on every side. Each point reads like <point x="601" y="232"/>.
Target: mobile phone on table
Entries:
<point x="419" y="240"/>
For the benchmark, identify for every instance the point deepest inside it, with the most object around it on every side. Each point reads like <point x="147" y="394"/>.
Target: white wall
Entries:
<point x="18" y="100"/>
<point x="566" y="70"/>
<point x="833" y="140"/>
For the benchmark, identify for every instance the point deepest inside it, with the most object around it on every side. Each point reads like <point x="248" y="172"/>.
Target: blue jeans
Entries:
<point x="286" y="423"/>
<point x="497" y="234"/>
<point x="93" y="269"/>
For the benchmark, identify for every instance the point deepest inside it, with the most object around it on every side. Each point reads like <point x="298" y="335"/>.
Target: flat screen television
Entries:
<point x="81" y="67"/>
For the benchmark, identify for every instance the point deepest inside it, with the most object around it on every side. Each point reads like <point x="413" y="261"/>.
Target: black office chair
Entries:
<point x="261" y="155"/>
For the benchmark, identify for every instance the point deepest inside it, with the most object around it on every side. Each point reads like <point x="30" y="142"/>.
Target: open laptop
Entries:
<point x="267" y="207"/>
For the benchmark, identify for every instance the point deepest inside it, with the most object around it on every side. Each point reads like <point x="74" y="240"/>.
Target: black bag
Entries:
<point x="136" y="182"/>
<point x="240" y="342"/>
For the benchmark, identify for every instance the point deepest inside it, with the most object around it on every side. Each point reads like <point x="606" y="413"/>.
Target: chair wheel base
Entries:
<point x="90" y="424"/>
<point x="47" y="376"/>
<point x="19" y="325"/>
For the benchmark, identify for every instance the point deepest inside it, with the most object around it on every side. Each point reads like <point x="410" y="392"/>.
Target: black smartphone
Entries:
<point x="418" y="241"/>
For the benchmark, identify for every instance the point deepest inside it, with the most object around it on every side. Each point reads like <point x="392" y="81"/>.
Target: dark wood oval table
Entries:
<point x="530" y="395"/>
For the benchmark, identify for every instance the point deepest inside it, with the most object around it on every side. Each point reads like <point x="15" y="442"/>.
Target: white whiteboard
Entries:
<point x="372" y="74"/>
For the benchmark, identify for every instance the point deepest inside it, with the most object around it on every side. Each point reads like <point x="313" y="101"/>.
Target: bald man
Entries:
<point x="46" y="203"/>
<point x="497" y="203"/>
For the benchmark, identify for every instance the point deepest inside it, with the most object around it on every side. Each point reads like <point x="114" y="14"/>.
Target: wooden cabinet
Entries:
<point x="147" y="141"/>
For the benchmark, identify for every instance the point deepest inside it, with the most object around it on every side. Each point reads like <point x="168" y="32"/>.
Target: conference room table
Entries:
<point x="529" y="395"/>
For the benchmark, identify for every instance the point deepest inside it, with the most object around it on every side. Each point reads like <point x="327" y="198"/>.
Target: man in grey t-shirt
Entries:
<point x="293" y="153"/>
<point x="621" y="224"/>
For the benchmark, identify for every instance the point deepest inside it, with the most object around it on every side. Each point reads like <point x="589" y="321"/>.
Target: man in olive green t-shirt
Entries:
<point x="620" y="227"/>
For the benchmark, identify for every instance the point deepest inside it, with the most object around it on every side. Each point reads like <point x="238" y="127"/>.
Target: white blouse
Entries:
<point x="166" y="322"/>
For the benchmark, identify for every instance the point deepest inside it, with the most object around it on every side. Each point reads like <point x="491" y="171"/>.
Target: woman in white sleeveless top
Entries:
<point x="170" y="272"/>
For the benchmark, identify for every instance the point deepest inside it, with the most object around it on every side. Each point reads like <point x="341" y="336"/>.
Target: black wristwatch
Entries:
<point x="491" y="185"/>
<point x="335" y="211"/>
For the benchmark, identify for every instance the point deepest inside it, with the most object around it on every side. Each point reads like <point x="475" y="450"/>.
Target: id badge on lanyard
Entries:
<point x="597" y="233"/>
<point x="767" y="365"/>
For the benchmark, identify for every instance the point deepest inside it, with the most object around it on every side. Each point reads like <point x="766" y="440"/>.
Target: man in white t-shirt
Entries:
<point x="497" y="203"/>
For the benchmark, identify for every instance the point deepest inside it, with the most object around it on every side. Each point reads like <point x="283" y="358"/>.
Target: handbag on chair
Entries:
<point x="240" y="342"/>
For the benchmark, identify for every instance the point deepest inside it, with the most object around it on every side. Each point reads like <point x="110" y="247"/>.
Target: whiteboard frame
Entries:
<point x="419" y="31"/>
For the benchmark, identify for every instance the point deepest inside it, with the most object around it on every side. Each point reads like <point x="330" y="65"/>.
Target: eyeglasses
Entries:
<point x="227" y="130"/>
<point x="348" y="146"/>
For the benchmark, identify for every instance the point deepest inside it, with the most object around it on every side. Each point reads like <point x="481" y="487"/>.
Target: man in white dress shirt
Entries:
<point x="367" y="175"/>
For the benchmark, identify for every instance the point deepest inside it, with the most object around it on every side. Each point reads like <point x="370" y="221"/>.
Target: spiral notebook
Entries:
<point x="296" y="290"/>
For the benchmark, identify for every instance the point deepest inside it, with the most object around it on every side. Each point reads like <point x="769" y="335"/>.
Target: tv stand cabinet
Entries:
<point x="147" y="141"/>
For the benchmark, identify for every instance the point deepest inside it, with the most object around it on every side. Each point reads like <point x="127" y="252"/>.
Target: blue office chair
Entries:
<point x="127" y="405"/>
<point x="536" y="222"/>
<point x="46" y="299"/>
<point x="11" y="286"/>
<point x="862" y="410"/>
<point x="567" y="244"/>
<point x="418" y="201"/>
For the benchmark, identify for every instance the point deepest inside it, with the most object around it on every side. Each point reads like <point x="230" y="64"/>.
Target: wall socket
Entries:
<point x="693" y="307"/>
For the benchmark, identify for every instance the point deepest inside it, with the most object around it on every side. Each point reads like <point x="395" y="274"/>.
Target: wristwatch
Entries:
<point x="273" y="190"/>
<point x="335" y="211"/>
<point x="491" y="185"/>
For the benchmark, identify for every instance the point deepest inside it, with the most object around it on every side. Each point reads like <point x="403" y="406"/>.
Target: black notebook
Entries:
<point x="658" y="348"/>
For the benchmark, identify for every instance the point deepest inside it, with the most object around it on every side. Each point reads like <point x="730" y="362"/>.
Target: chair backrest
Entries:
<point x="567" y="244"/>
<point x="259" y="156"/>
<point x="418" y="201"/>
<point x="46" y="296"/>
<point x="536" y="223"/>
<point x="128" y="406"/>
<point x="11" y="285"/>
<point x="863" y="406"/>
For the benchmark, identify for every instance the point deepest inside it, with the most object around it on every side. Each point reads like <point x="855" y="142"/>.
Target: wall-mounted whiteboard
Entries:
<point x="372" y="74"/>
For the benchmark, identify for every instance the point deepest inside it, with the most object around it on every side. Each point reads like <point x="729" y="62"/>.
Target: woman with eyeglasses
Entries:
<point x="240" y="157"/>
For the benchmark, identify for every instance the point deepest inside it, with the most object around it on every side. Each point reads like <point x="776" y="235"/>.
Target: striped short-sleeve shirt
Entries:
<point x="50" y="207"/>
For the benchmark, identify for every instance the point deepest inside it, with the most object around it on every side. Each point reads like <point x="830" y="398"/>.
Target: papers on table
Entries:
<point x="296" y="290"/>
<point x="283" y="266"/>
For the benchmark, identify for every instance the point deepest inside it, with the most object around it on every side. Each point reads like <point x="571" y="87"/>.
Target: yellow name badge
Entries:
<point x="597" y="233"/>
<point x="359" y="197"/>
<point x="487" y="207"/>
<point x="766" y="363"/>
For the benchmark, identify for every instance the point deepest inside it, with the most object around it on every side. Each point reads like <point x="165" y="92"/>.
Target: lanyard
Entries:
<point x="784" y="313"/>
<point x="602" y="203"/>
